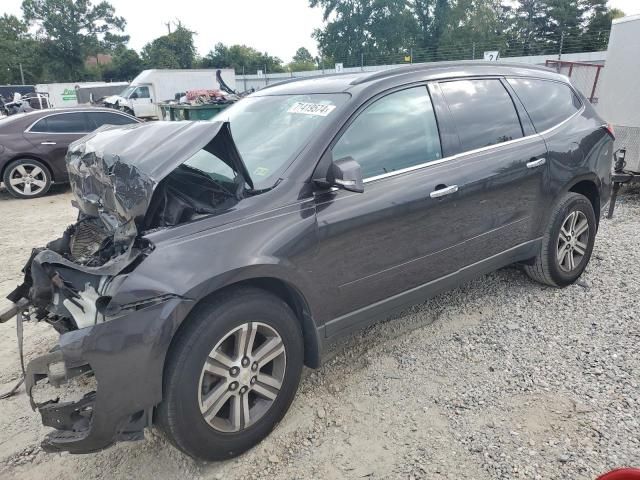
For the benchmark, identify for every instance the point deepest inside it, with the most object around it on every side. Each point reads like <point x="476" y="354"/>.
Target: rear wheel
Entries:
<point x="27" y="178"/>
<point x="567" y="243"/>
<point x="231" y="374"/>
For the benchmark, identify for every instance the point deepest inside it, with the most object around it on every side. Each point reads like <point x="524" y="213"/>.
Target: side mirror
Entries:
<point x="346" y="173"/>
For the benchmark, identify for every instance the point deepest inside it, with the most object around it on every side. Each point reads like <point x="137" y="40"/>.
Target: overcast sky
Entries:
<point x="277" y="27"/>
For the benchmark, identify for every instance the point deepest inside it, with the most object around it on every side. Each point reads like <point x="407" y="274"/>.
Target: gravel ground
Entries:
<point x="501" y="378"/>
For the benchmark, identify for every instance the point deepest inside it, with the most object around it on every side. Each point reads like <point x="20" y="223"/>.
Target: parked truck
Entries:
<point x="151" y="87"/>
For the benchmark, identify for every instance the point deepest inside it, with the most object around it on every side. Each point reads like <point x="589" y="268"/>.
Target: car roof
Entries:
<point x="26" y="118"/>
<point x="346" y="82"/>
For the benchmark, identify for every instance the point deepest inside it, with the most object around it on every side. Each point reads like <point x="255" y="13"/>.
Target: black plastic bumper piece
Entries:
<point x="126" y="355"/>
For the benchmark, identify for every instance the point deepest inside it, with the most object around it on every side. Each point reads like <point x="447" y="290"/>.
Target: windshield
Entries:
<point x="127" y="91"/>
<point x="268" y="131"/>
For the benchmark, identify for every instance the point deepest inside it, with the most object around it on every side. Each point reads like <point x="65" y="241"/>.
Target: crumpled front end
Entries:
<point x="107" y="188"/>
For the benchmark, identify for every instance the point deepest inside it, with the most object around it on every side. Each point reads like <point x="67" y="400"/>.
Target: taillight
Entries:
<point x="609" y="129"/>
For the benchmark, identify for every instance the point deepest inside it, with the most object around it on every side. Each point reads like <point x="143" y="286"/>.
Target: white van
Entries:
<point x="151" y="87"/>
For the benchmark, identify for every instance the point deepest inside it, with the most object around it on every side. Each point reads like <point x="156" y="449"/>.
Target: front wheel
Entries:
<point x="567" y="243"/>
<point x="231" y="375"/>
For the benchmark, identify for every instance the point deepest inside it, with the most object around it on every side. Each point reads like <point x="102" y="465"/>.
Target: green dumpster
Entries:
<point x="172" y="112"/>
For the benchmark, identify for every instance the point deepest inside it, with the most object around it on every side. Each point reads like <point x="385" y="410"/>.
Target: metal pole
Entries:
<point x="266" y="77"/>
<point x="561" y="45"/>
<point x="244" y="78"/>
<point x="21" y="74"/>
<point x="362" y="61"/>
<point x="473" y="51"/>
<point x="411" y="55"/>
<point x="322" y="62"/>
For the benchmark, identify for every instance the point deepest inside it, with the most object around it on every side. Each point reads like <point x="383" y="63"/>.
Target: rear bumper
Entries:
<point x="126" y="356"/>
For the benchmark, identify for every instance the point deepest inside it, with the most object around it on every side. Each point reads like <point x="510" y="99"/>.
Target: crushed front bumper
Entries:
<point x="126" y="355"/>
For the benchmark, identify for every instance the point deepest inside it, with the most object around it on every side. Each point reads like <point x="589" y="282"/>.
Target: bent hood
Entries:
<point x="114" y="171"/>
<point x="113" y="99"/>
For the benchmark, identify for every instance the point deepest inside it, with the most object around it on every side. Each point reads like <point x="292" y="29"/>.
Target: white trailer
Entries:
<point x="151" y="87"/>
<point x="619" y="102"/>
<point x="63" y="95"/>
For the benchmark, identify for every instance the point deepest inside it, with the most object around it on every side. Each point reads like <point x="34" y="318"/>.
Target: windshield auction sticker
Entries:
<point x="317" y="109"/>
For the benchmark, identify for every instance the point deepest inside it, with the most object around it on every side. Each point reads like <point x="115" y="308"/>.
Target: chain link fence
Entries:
<point x="559" y="47"/>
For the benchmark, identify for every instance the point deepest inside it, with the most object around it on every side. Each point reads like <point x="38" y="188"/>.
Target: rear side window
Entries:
<point x="62" y="123"/>
<point x="483" y="112"/>
<point x="395" y="132"/>
<point x="98" y="119"/>
<point x="548" y="103"/>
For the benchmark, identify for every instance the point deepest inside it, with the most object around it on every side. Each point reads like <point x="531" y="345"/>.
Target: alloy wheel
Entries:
<point x="572" y="241"/>
<point x="28" y="179"/>
<point x="242" y="377"/>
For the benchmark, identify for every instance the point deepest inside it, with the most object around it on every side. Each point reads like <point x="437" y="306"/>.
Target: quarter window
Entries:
<point x="395" y="132"/>
<point x="548" y="103"/>
<point x="62" y="123"/>
<point x="483" y="112"/>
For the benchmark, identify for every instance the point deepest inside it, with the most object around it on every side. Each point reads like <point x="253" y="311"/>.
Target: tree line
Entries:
<point x="381" y="31"/>
<point x="76" y="40"/>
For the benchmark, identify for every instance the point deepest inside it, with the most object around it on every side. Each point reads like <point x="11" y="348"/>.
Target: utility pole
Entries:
<point x="560" y="51"/>
<point x="21" y="74"/>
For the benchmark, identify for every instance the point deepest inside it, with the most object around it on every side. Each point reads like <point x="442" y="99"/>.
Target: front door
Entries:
<point x="142" y="102"/>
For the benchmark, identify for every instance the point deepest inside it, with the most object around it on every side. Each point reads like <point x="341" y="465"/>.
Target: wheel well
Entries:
<point x="296" y="301"/>
<point x="30" y="157"/>
<point x="589" y="190"/>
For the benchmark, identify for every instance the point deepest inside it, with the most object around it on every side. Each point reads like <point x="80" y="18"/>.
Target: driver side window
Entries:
<point x="142" y="92"/>
<point x="395" y="132"/>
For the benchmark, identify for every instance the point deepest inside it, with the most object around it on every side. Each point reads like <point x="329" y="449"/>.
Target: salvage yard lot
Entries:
<point x="500" y="378"/>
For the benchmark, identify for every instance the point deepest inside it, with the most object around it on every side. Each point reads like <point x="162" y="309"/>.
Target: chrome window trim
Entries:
<point x="470" y="152"/>
<point x="28" y="130"/>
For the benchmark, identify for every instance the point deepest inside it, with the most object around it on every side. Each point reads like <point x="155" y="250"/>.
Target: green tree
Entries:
<point x="72" y="29"/>
<point x="373" y="29"/>
<point x="174" y="50"/>
<point x="242" y="59"/>
<point x="302" y="61"/>
<point x="303" y="56"/>
<point x="125" y="65"/>
<point x="18" y="48"/>
<point x="600" y="23"/>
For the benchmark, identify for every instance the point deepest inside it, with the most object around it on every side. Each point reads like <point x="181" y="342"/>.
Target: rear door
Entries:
<point x="502" y="162"/>
<point x="53" y="133"/>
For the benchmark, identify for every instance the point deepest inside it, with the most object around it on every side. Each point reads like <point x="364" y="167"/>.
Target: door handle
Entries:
<point x="536" y="163"/>
<point x="444" y="191"/>
<point x="47" y="143"/>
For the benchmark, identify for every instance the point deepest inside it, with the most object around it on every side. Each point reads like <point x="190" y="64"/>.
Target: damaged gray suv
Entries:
<point x="211" y="260"/>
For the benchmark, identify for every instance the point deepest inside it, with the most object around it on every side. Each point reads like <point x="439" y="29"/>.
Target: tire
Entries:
<point x="547" y="267"/>
<point x="21" y="181"/>
<point x="188" y="388"/>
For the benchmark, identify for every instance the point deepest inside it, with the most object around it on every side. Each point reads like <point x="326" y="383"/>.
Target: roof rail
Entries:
<point x="418" y="67"/>
<point x="297" y="79"/>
